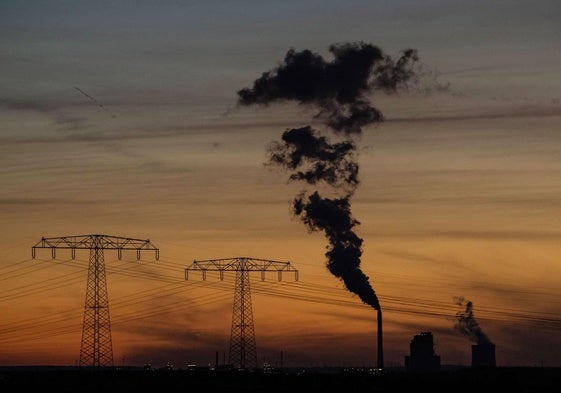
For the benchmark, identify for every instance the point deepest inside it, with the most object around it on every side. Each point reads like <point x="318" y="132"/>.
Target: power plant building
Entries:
<point x="422" y="357"/>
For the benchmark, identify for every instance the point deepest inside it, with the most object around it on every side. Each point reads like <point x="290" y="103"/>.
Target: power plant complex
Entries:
<point x="96" y="347"/>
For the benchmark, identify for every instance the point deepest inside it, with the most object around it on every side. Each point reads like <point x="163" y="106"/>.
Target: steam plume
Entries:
<point x="467" y="325"/>
<point x="339" y="92"/>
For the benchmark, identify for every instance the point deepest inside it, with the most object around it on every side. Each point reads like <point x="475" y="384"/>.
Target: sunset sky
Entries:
<point x="121" y="118"/>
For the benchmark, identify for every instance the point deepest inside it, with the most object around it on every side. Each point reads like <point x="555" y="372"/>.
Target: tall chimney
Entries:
<point x="380" y="348"/>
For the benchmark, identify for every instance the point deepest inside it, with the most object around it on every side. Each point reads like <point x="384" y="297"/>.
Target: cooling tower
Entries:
<point x="483" y="355"/>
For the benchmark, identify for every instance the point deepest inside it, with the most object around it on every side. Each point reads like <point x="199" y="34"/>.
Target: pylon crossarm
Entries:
<point x="101" y="241"/>
<point x="240" y="264"/>
<point x="243" y="263"/>
<point x="126" y="243"/>
<point x="88" y="242"/>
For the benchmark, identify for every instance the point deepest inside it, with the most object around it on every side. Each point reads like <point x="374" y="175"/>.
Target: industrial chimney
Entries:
<point x="380" y="349"/>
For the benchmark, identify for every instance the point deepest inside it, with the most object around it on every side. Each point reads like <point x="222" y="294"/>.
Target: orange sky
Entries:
<point x="459" y="196"/>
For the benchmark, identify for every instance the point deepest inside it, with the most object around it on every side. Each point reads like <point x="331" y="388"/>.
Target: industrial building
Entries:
<point x="422" y="357"/>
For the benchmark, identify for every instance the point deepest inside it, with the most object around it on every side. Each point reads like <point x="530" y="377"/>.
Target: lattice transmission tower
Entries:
<point x="243" y="349"/>
<point x="96" y="349"/>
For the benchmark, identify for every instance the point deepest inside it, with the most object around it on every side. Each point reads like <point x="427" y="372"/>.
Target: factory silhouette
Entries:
<point x="96" y="372"/>
<point x="96" y="349"/>
<point x="423" y="357"/>
<point x="339" y="93"/>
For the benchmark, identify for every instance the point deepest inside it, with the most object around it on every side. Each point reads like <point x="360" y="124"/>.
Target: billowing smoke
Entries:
<point x="339" y="92"/>
<point x="467" y="325"/>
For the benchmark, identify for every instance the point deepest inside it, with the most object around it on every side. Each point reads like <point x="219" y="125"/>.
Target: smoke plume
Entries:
<point x="339" y="93"/>
<point x="467" y="325"/>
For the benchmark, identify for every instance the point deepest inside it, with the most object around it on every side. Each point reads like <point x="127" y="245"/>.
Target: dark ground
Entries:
<point x="106" y="380"/>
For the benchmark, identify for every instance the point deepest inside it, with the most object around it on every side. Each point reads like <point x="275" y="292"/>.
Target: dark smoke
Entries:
<point x="467" y="325"/>
<point x="313" y="158"/>
<point x="339" y="91"/>
<point x="339" y="88"/>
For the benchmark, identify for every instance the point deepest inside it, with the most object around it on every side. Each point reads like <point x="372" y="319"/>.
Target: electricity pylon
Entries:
<point x="243" y="350"/>
<point x="96" y="349"/>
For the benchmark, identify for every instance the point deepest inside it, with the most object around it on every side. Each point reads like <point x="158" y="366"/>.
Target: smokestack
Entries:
<point x="339" y="91"/>
<point x="380" y="348"/>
